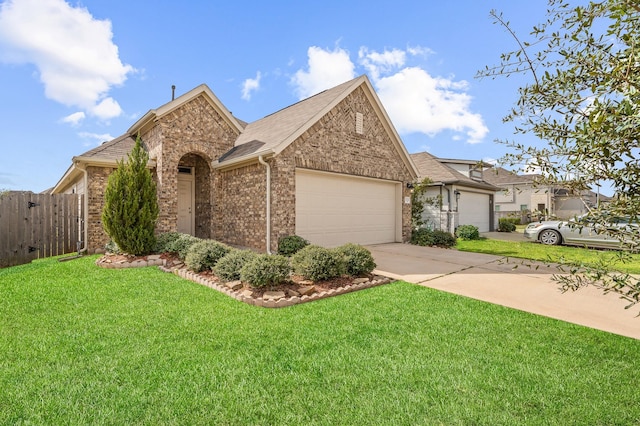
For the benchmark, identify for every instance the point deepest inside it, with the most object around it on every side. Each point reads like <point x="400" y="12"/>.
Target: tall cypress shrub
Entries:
<point x="131" y="208"/>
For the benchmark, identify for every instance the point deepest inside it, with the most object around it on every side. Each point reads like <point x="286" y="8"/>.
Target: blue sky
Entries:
<point x="75" y="74"/>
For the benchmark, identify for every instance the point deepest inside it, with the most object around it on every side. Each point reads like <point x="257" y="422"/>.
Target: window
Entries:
<point x="497" y="207"/>
<point x="524" y="207"/>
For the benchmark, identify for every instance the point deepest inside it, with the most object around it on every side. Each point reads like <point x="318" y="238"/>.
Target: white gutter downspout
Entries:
<point x="86" y="209"/>
<point x="268" y="207"/>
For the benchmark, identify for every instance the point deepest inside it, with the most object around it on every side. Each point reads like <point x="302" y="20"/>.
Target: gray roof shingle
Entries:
<point x="430" y="166"/>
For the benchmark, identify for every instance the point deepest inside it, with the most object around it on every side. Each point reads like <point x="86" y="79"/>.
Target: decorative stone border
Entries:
<point x="151" y="260"/>
<point x="267" y="301"/>
<point x="271" y="302"/>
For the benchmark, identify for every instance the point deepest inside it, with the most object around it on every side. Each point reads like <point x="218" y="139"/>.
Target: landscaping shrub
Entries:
<point x="291" y="244"/>
<point x="318" y="263"/>
<point x="165" y="242"/>
<point x="182" y="244"/>
<point x="130" y="204"/>
<point x="505" y="224"/>
<point x="428" y="237"/>
<point x="357" y="259"/>
<point x="205" y="254"/>
<point x="228" y="268"/>
<point x="112" y="247"/>
<point x="468" y="232"/>
<point x="443" y="239"/>
<point x="266" y="270"/>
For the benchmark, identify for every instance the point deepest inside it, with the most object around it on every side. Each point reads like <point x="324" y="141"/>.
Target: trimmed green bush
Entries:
<point x="165" y="242"/>
<point x="468" y="232"/>
<point x="291" y="244"/>
<point x="130" y="204"/>
<point x="112" y="247"/>
<point x="427" y="237"/>
<point x="182" y="244"/>
<point x="505" y="224"/>
<point x="318" y="263"/>
<point x="228" y="268"/>
<point x="357" y="259"/>
<point x="205" y="254"/>
<point x="443" y="239"/>
<point x="266" y="270"/>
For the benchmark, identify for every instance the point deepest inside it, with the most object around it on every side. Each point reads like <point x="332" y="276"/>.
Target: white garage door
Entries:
<point x="473" y="209"/>
<point x="333" y="209"/>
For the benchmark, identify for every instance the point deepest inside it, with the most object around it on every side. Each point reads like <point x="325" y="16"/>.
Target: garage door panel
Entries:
<point x="473" y="209"/>
<point x="333" y="209"/>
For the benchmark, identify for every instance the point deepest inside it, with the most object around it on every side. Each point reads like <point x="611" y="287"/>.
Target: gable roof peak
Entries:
<point x="200" y="90"/>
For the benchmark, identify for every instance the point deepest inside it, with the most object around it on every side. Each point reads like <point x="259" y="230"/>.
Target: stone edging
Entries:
<point x="155" y="260"/>
<point x="151" y="260"/>
<point x="271" y="303"/>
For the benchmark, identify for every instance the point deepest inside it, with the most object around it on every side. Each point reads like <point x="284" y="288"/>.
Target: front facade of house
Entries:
<point x="330" y="168"/>
<point x="457" y="195"/>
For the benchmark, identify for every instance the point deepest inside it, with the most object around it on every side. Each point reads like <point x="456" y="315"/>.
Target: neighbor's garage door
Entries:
<point x="333" y="209"/>
<point x="473" y="209"/>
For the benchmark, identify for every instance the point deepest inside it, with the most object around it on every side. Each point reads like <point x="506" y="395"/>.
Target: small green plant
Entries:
<point x="318" y="263"/>
<point x="228" y="268"/>
<point x="166" y="241"/>
<point x="468" y="232"/>
<point x="505" y="224"/>
<point x="427" y="237"/>
<point x="291" y="244"/>
<point x="266" y="270"/>
<point x="181" y="245"/>
<point x="112" y="248"/>
<point x="357" y="259"/>
<point x="130" y="204"/>
<point x="205" y="254"/>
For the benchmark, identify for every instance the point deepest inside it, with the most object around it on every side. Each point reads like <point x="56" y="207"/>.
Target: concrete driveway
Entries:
<point x="526" y="286"/>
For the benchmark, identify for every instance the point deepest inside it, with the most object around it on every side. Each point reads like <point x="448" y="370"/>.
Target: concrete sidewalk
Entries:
<point x="526" y="286"/>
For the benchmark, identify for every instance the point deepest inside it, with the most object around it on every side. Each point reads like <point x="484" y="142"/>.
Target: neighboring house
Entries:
<point x="330" y="168"/>
<point x="458" y="194"/>
<point x="519" y="196"/>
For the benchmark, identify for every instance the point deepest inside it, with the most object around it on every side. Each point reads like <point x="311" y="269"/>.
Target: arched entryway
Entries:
<point x="194" y="196"/>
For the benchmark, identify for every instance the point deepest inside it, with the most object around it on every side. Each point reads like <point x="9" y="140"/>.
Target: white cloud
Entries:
<point x="376" y="63"/>
<point x="97" y="137"/>
<point x="419" y="102"/>
<point x="74" y="119"/>
<point x="416" y="101"/>
<point x="250" y="85"/>
<point x="74" y="52"/>
<point x="326" y="69"/>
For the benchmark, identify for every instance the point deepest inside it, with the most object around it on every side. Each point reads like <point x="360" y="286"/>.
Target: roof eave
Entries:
<point x="240" y="161"/>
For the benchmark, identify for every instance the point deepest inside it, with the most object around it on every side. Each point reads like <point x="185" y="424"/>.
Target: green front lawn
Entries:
<point x="80" y="344"/>
<point x="536" y="251"/>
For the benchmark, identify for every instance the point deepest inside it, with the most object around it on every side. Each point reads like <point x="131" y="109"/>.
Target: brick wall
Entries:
<point x="240" y="212"/>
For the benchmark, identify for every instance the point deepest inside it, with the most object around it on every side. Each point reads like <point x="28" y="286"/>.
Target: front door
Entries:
<point x="185" y="204"/>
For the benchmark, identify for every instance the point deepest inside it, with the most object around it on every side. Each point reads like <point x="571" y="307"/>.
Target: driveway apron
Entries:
<point x="518" y="284"/>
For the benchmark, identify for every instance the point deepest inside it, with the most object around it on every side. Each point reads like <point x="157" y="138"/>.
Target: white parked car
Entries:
<point x="578" y="232"/>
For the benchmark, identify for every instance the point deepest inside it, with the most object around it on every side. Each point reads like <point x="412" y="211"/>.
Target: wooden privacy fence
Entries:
<point x="34" y="226"/>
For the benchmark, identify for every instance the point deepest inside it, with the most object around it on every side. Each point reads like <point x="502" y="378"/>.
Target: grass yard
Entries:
<point x="79" y="345"/>
<point x="536" y="251"/>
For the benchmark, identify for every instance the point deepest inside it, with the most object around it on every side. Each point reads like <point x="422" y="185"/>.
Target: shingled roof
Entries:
<point x="500" y="176"/>
<point x="116" y="149"/>
<point x="430" y="166"/>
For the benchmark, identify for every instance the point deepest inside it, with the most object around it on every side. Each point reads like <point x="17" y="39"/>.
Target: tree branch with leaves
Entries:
<point x="583" y="104"/>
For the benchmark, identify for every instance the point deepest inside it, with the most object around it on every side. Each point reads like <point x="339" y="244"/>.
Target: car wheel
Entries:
<point x="550" y="237"/>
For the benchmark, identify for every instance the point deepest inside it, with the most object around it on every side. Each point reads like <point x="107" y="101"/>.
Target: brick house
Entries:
<point x="330" y="168"/>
